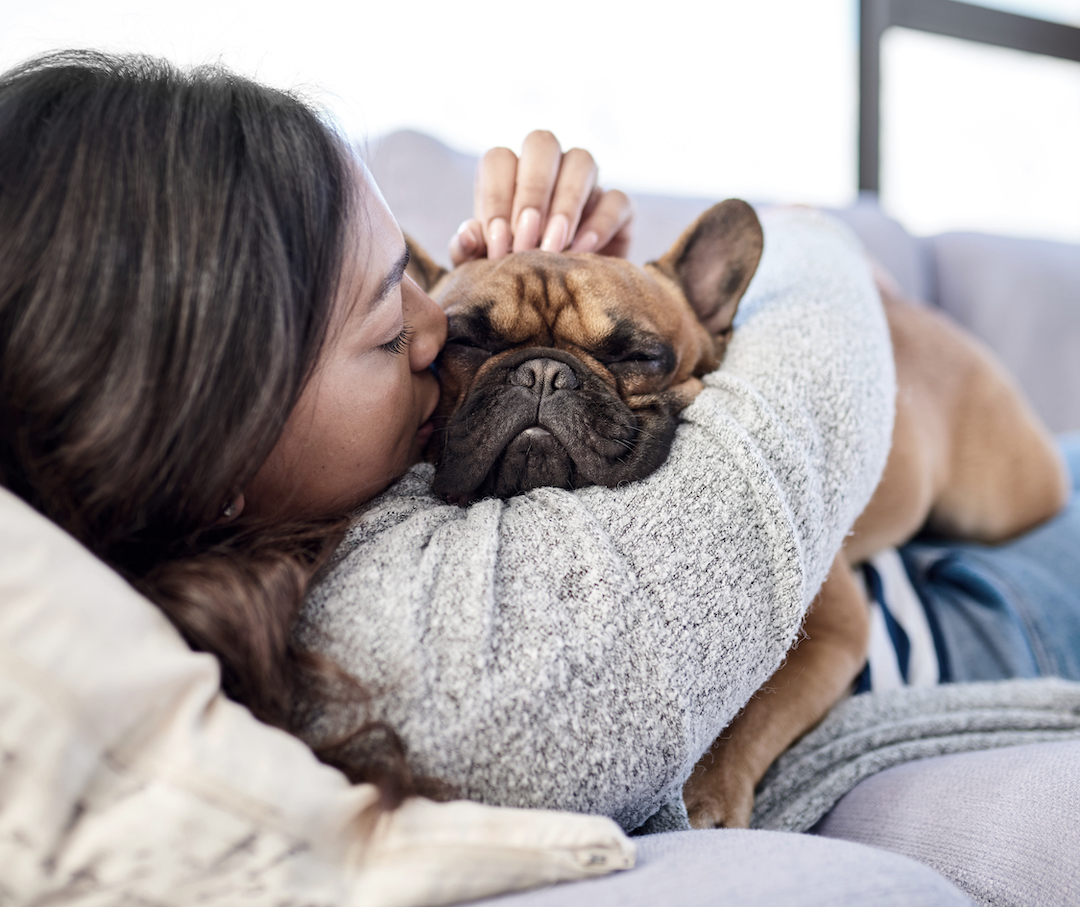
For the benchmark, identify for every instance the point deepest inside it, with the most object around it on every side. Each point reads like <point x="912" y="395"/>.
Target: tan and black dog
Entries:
<point x="571" y="369"/>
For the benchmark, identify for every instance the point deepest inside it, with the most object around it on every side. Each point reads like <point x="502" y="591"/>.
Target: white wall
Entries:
<point x="1067" y="11"/>
<point x="730" y="97"/>
<point x="680" y="96"/>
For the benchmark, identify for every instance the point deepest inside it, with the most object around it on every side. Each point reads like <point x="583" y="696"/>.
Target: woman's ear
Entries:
<point x="714" y="260"/>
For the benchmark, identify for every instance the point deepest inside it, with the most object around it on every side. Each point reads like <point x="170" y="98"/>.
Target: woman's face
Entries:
<point x="364" y="416"/>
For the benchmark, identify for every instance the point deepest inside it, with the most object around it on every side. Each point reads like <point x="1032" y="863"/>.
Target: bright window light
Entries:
<point x="726" y="98"/>
<point x="1067" y="11"/>
<point x="722" y="98"/>
<point x="977" y="137"/>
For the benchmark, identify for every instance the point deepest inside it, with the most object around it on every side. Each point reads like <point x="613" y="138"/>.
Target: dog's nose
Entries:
<point x="544" y="376"/>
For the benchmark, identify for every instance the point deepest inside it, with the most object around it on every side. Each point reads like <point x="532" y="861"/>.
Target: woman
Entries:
<point x="212" y="353"/>
<point x="209" y="353"/>
<point x="184" y="261"/>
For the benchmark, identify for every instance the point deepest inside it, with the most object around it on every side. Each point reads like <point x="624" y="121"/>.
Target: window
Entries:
<point x="979" y="137"/>
<point x="964" y="135"/>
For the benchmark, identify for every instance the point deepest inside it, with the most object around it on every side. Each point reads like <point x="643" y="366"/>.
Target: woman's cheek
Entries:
<point x="388" y="403"/>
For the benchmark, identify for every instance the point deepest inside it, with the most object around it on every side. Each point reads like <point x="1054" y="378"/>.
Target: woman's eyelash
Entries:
<point x="400" y="343"/>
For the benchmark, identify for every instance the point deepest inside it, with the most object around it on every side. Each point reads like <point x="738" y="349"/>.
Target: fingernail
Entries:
<point x="586" y="242"/>
<point x="555" y="235"/>
<point x="499" y="238"/>
<point x="527" y="235"/>
<point x="466" y="239"/>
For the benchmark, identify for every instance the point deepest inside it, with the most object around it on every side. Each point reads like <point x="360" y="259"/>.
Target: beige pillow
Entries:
<point x="127" y="776"/>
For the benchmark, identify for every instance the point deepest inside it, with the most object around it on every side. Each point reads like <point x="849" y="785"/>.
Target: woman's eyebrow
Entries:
<point x="391" y="280"/>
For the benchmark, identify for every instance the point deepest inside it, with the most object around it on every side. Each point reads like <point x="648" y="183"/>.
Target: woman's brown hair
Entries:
<point x="170" y="244"/>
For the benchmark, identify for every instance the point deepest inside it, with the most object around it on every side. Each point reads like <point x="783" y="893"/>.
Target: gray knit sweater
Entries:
<point x="580" y="650"/>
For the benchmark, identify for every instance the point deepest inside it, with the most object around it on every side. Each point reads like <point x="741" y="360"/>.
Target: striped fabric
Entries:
<point x="903" y="650"/>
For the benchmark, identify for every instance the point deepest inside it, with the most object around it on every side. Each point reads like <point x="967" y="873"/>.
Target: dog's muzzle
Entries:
<point x="539" y="418"/>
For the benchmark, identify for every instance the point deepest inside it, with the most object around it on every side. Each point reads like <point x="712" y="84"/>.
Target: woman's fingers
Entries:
<point x="537" y="171"/>
<point x="493" y="199"/>
<point x="573" y="188"/>
<point x="468" y="243"/>
<point x="544" y="199"/>
<point x="605" y="226"/>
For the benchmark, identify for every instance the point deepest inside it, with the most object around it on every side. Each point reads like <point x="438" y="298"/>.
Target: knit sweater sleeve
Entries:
<point x="581" y="650"/>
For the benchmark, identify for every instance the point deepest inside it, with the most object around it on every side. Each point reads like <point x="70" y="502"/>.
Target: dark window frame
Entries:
<point x="940" y="17"/>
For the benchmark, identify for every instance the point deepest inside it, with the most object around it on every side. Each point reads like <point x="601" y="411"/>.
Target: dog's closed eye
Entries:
<point x="474" y="331"/>
<point x="642" y="361"/>
<point x="467" y="343"/>
<point x="464" y="351"/>
<point x="654" y="360"/>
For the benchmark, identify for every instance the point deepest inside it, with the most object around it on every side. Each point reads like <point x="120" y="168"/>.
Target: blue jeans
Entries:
<point x="1009" y="610"/>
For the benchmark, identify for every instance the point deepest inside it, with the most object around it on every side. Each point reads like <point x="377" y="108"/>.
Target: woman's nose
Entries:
<point x="428" y="322"/>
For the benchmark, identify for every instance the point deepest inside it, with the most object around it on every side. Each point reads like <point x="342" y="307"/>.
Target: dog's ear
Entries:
<point x="714" y="260"/>
<point x="425" y="271"/>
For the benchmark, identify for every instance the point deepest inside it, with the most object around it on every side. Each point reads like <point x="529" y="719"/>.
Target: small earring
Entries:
<point x="230" y="510"/>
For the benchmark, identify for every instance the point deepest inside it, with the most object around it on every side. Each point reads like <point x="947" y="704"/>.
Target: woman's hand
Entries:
<point x="545" y="199"/>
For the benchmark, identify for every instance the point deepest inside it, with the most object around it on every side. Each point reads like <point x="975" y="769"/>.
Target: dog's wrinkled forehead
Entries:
<point x="541" y="299"/>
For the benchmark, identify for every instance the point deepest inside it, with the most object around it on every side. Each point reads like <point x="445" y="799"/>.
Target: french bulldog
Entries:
<point x="571" y="369"/>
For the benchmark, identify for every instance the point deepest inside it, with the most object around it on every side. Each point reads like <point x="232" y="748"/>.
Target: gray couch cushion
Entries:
<point x="1022" y="297"/>
<point x="1002" y="824"/>
<point x="900" y="253"/>
<point x="740" y="868"/>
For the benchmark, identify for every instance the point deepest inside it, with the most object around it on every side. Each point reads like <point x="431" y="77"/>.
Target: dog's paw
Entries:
<point x="719" y="806"/>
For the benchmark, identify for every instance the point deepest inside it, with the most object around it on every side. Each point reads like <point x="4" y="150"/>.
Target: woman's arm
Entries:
<point x="580" y="650"/>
